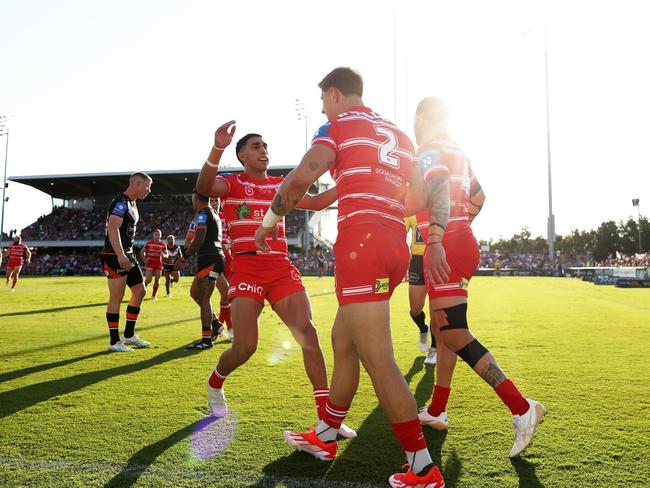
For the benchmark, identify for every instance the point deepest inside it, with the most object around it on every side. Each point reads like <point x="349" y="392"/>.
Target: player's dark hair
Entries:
<point x="141" y="175"/>
<point x="346" y="80"/>
<point x="202" y="198"/>
<point x="242" y="142"/>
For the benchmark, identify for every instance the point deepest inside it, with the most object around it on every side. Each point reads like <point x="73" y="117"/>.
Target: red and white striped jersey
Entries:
<point x="446" y="157"/>
<point x="155" y="251"/>
<point x="225" y="235"/>
<point x="374" y="160"/>
<point x="17" y="251"/>
<point x="244" y="205"/>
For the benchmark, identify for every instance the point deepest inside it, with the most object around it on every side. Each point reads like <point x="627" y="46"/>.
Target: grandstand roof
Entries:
<point x="91" y="185"/>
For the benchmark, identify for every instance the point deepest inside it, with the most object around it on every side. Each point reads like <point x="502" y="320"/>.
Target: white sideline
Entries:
<point x="176" y="474"/>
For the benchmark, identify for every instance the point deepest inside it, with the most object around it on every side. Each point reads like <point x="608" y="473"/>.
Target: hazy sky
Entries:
<point x="122" y="85"/>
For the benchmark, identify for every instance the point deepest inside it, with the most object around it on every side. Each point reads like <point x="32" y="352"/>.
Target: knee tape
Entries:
<point x="472" y="353"/>
<point x="456" y="317"/>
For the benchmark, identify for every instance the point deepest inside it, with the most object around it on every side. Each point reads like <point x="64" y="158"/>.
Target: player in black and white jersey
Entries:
<point x="206" y="245"/>
<point x="119" y="263"/>
<point x="174" y="253"/>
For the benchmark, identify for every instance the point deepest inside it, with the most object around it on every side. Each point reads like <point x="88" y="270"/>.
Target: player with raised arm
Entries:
<point x="119" y="263"/>
<point x="418" y="292"/>
<point x="16" y="253"/>
<point x="259" y="277"/>
<point x="153" y="254"/>
<point x="206" y="246"/>
<point x="174" y="253"/>
<point x="372" y="162"/>
<point x="451" y="258"/>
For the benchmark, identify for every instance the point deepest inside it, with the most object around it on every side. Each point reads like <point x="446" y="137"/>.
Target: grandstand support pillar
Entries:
<point x="4" y="132"/>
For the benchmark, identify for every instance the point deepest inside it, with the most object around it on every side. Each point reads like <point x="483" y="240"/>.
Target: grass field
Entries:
<point x="73" y="415"/>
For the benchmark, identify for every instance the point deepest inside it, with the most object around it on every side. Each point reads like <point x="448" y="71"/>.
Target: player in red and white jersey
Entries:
<point x="152" y="254"/>
<point x="451" y="258"/>
<point x="373" y="165"/>
<point x="259" y="277"/>
<point x="16" y="252"/>
<point x="174" y="253"/>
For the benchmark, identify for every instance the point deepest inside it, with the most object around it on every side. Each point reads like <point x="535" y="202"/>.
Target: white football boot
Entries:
<point x="525" y="426"/>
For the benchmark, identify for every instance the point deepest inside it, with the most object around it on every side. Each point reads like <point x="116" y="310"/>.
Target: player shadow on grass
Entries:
<point x="526" y="472"/>
<point x="52" y="310"/>
<point x="145" y="457"/>
<point x="19" y="373"/>
<point x="373" y="455"/>
<point x="93" y="337"/>
<point x="13" y="401"/>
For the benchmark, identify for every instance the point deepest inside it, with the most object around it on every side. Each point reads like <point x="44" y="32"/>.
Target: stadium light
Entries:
<point x="535" y="39"/>
<point x="635" y="203"/>
<point x="302" y="114"/>
<point x="4" y="131"/>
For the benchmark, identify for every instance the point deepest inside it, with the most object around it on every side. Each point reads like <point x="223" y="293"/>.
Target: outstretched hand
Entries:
<point x="224" y="134"/>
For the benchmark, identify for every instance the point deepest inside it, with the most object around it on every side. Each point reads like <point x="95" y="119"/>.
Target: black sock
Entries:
<point x="113" y="320"/>
<point x="419" y="321"/>
<point x="206" y="336"/>
<point x="131" y="317"/>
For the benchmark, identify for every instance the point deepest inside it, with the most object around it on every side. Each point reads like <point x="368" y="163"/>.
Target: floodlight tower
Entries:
<point x="4" y="131"/>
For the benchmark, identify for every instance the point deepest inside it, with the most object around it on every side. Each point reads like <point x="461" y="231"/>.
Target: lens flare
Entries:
<point x="211" y="435"/>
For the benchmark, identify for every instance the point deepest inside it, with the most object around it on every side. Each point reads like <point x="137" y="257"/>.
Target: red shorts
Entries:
<point x="463" y="256"/>
<point x="153" y="266"/>
<point x="371" y="260"/>
<point x="14" y="263"/>
<point x="263" y="277"/>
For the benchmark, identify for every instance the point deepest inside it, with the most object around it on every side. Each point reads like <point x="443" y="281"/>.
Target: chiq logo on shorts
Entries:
<point x="257" y="289"/>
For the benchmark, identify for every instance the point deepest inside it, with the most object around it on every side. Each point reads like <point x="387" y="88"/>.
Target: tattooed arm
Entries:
<point x="435" y="258"/>
<point x="293" y="189"/>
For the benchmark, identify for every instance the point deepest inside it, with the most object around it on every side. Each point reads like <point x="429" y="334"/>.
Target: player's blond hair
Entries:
<point x="139" y="175"/>
<point x="434" y="110"/>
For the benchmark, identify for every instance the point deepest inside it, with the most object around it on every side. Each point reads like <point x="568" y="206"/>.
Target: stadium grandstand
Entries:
<point x="67" y="240"/>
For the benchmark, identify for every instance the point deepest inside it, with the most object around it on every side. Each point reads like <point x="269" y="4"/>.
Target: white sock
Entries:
<point x="325" y="432"/>
<point x="418" y="460"/>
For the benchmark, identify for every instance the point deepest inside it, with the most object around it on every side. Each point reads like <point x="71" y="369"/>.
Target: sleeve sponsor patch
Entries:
<point x="120" y="209"/>
<point x="323" y="131"/>
<point x="429" y="159"/>
<point x="201" y="219"/>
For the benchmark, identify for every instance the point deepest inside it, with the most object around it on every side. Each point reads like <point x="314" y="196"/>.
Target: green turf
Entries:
<point x="73" y="415"/>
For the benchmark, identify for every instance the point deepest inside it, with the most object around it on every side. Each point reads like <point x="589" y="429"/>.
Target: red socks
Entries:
<point x="224" y="315"/>
<point x="155" y="290"/>
<point x="512" y="398"/>
<point x="409" y="434"/>
<point x="335" y="414"/>
<point x="320" y="397"/>
<point x="439" y="400"/>
<point x="216" y="380"/>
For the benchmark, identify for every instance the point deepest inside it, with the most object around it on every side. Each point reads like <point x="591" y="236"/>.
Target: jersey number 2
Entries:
<point x="387" y="147"/>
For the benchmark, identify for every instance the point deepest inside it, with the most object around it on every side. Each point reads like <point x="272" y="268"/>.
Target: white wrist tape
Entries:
<point x="270" y="219"/>
<point x="212" y="165"/>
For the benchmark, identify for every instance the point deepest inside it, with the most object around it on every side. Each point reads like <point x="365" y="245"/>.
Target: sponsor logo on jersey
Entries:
<point x="249" y="191"/>
<point x="243" y="211"/>
<point x="381" y="285"/>
<point x="257" y="289"/>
